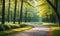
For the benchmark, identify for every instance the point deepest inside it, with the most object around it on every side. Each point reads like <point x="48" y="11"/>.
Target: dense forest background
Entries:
<point x="30" y="11"/>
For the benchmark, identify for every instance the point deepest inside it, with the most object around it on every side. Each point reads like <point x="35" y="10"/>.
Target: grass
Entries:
<point x="2" y="33"/>
<point x="55" y="28"/>
<point x="56" y="32"/>
<point x="51" y="25"/>
<point x="23" y="27"/>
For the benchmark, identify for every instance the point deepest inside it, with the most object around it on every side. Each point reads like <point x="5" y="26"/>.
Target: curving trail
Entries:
<point x="35" y="31"/>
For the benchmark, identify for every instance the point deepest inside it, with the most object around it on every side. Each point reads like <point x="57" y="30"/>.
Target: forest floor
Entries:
<point x="37" y="30"/>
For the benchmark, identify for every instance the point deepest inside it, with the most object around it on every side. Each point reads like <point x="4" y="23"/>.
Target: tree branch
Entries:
<point x="55" y="9"/>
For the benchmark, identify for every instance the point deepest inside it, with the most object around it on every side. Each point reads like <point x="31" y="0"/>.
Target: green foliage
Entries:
<point x="23" y="25"/>
<point x="44" y="10"/>
<point x="3" y="33"/>
<point x="50" y="24"/>
<point x="56" y="33"/>
<point x="2" y="28"/>
<point x="59" y="7"/>
<point x="11" y="26"/>
<point x="7" y="27"/>
<point x="14" y="26"/>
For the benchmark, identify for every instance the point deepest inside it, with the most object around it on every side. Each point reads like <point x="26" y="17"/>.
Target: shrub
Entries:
<point x="23" y="25"/>
<point x="10" y="26"/>
<point x="7" y="27"/>
<point x="14" y="26"/>
<point x="2" y="27"/>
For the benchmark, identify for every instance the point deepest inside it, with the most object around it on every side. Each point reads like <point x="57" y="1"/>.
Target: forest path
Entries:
<point x="37" y="30"/>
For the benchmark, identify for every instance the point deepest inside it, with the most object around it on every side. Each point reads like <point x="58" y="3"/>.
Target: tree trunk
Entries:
<point x="55" y="9"/>
<point x="3" y="12"/>
<point x="15" y="12"/>
<point x="26" y="15"/>
<point x="11" y="16"/>
<point x="9" y="12"/>
<point x="18" y="13"/>
<point x="20" y="20"/>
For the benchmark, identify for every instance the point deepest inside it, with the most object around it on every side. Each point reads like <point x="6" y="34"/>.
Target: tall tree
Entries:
<point x="15" y="11"/>
<point x="18" y="13"/>
<point x="11" y="15"/>
<point x="3" y="12"/>
<point x="55" y="8"/>
<point x="9" y="12"/>
<point x="26" y="15"/>
<point x="20" y="20"/>
<point x="26" y="1"/>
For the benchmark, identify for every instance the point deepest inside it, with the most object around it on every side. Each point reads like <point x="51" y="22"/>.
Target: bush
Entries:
<point x="17" y="26"/>
<point x="10" y="26"/>
<point x="14" y="26"/>
<point x="2" y="27"/>
<point x="7" y="27"/>
<point x="23" y="25"/>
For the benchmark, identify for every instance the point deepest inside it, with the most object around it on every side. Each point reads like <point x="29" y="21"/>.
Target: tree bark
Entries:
<point x="9" y="12"/>
<point x="20" y="20"/>
<point x="18" y="13"/>
<point x="3" y="12"/>
<point x="15" y="12"/>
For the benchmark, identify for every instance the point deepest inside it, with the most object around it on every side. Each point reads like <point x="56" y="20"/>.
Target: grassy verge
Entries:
<point x="2" y="33"/>
<point x="54" y="27"/>
<point x="56" y="32"/>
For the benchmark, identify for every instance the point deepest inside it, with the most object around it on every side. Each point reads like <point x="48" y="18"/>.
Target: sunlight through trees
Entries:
<point x="15" y="11"/>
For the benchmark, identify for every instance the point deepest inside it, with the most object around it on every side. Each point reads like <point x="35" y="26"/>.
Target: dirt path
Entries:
<point x="36" y="31"/>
